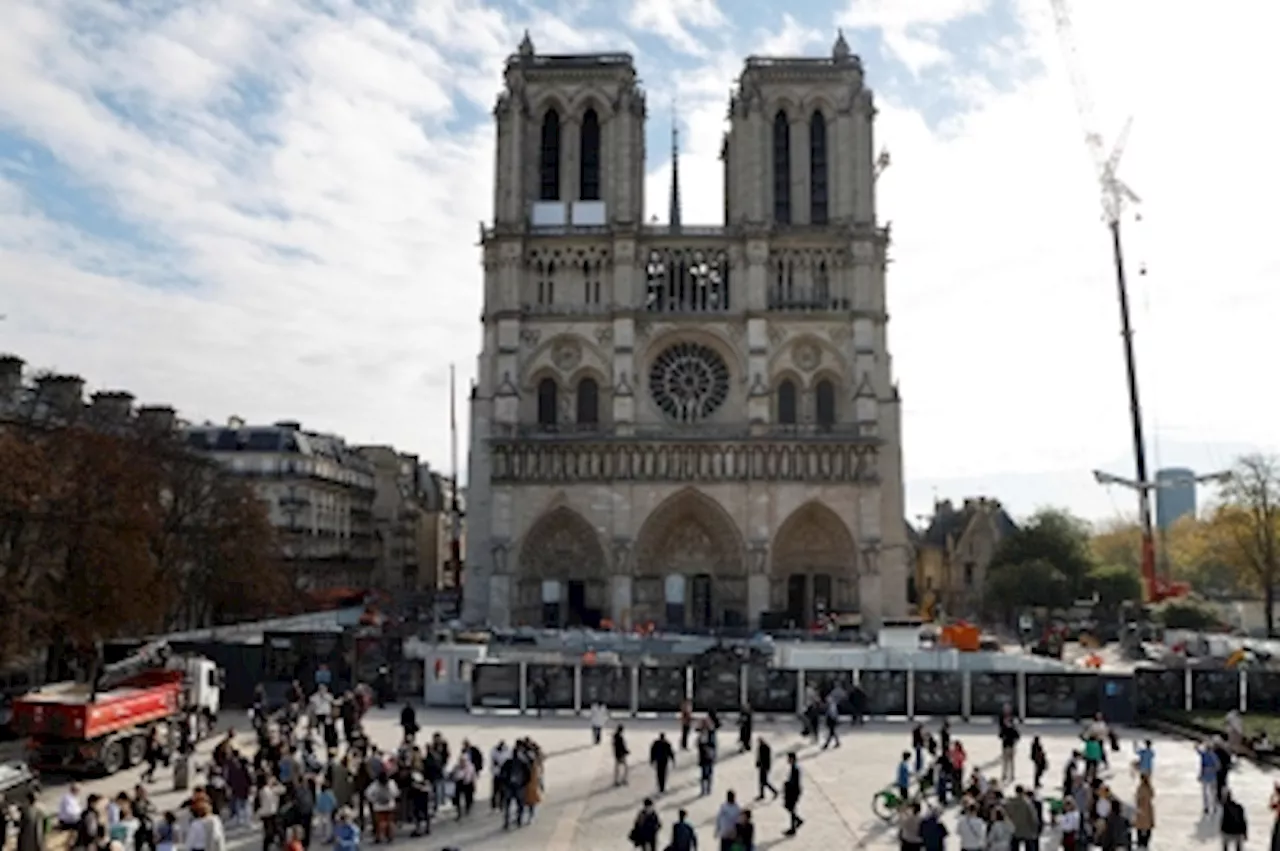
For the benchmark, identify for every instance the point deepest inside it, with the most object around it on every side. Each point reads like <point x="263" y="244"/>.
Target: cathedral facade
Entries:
<point x="679" y="425"/>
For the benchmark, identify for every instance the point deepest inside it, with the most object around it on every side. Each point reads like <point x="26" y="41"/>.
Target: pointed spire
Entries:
<point x="840" y="52"/>
<point x="526" y="45"/>
<point x="673" y="215"/>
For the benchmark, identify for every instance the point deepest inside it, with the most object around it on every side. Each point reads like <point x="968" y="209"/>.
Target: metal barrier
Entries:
<point x="644" y="690"/>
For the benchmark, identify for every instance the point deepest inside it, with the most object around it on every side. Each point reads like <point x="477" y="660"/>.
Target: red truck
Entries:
<point x="104" y="726"/>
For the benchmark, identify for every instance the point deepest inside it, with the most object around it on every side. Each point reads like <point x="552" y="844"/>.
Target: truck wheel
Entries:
<point x="137" y="750"/>
<point x="112" y="759"/>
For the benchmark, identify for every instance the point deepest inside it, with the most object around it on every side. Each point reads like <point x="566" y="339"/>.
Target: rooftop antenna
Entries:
<point x="673" y="214"/>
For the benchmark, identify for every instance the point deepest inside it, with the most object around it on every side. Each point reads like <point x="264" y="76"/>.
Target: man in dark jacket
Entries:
<point x="1023" y="815"/>
<point x="791" y="794"/>
<point x="682" y="836"/>
<point x="620" y="754"/>
<point x="764" y="764"/>
<point x="661" y="757"/>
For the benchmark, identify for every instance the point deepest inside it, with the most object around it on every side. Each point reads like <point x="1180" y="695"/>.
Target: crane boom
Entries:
<point x="1114" y="195"/>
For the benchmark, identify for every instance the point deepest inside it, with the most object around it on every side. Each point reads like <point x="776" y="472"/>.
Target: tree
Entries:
<point x="1247" y="525"/>
<point x="1186" y="614"/>
<point x="1055" y="537"/>
<point x="1114" y="584"/>
<point x="1186" y="549"/>
<point x="1030" y="584"/>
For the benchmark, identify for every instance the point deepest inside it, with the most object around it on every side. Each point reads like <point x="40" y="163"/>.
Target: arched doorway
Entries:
<point x="690" y="566"/>
<point x="562" y="579"/>
<point x="814" y="566"/>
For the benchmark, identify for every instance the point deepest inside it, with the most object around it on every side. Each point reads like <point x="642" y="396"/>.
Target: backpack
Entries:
<point x="477" y="759"/>
<point x="382" y="795"/>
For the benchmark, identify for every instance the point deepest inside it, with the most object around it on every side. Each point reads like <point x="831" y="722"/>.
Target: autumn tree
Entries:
<point x="1187" y="550"/>
<point x="1246" y="526"/>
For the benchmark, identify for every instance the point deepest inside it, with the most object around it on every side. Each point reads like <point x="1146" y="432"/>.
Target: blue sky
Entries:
<point x="269" y="209"/>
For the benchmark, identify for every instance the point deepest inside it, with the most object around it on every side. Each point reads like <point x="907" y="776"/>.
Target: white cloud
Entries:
<point x="675" y="19"/>
<point x="909" y="28"/>
<point x="326" y="255"/>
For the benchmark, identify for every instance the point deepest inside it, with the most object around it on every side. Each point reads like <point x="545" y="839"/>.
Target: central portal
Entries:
<point x="690" y="571"/>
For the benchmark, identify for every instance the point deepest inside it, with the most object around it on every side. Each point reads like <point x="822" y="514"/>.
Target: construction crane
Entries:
<point x="1115" y="194"/>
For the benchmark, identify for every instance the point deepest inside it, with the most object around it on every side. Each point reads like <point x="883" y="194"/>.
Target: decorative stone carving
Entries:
<point x="530" y="336"/>
<point x="622" y="549"/>
<point x="871" y="558"/>
<point x="735" y="331"/>
<point x="566" y="354"/>
<point x="776" y="335"/>
<point x="604" y="334"/>
<point x="806" y="356"/>
<point x="814" y="538"/>
<point x="840" y="334"/>
<point x="622" y="387"/>
<point x="612" y="460"/>
<point x="507" y="387"/>
<point x="500" y="548"/>
<point x="759" y="387"/>
<point x="561" y="544"/>
<point x="758" y="557"/>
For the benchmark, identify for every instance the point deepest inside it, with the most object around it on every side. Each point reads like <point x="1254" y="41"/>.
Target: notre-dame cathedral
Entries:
<point x="684" y="425"/>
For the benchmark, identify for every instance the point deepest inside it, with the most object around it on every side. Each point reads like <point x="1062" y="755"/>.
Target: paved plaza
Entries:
<point x="583" y="811"/>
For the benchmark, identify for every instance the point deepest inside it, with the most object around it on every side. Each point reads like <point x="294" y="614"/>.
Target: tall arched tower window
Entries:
<point x="589" y="176"/>
<point x="588" y="402"/>
<point x="825" y="403"/>
<point x="787" y="402"/>
<point x="549" y="158"/>
<point x="547" y="402"/>
<point x="781" y="168"/>
<point x="818" y="169"/>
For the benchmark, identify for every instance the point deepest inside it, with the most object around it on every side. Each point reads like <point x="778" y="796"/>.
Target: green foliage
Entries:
<point x="1113" y="584"/>
<point x="1033" y="583"/>
<point x="1045" y="563"/>
<point x="1185" y="614"/>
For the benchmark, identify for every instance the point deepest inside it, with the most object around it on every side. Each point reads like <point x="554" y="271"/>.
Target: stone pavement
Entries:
<point x="582" y="810"/>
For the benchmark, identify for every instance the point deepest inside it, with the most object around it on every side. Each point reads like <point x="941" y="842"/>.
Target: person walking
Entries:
<point x="409" y="723"/>
<point x="727" y="821"/>
<point x="791" y="794"/>
<point x="1144" y="805"/>
<point x="1208" y="778"/>
<point x="1009" y="736"/>
<point x="683" y="837"/>
<point x="744" y="729"/>
<point x="764" y="764"/>
<point x="497" y="759"/>
<point x="599" y="717"/>
<point x="833" y="720"/>
<point x="1039" y="761"/>
<point x="661" y="756"/>
<point x="706" y="764"/>
<point x="620" y="754"/>
<point x="1234" y="826"/>
<point x="647" y="826"/>
<point x="686" y="723"/>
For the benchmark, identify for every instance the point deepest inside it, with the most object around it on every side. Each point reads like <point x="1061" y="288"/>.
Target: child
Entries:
<point x="295" y="839"/>
<point x="326" y="804"/>
<point x="346" y="836"/>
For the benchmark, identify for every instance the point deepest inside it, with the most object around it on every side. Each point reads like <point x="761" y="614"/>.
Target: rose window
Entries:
<point x="689" y="382"/>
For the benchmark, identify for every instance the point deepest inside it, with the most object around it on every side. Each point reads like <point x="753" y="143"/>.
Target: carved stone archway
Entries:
<point x="561" y="548"/>
<point x="690" y="565"/>
<point x="814" y="565"/>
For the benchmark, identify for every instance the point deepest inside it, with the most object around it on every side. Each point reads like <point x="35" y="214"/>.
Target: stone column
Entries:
<point x="570" y="150"/>
<point x="757" y="580"/>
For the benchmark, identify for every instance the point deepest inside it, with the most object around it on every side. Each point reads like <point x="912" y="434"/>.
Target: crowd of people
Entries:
<point x="309" y="773"/>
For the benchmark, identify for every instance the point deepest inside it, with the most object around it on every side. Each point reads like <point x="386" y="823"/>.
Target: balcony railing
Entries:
<point x="807" y="301"/>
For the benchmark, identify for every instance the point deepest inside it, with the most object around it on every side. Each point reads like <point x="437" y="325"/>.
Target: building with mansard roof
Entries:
<point x="689" y="426"/>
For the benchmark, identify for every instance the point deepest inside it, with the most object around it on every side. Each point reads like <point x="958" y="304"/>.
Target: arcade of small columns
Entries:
<point x="689" y="565"/>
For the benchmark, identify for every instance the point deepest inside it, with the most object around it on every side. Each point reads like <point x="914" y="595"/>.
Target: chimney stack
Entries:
<point x="111" y="406"/>
<point x="289" y="425"/>
<point x="158" y="419"/>
<point x="10" y="375"/>
<point x="64" y="394"/>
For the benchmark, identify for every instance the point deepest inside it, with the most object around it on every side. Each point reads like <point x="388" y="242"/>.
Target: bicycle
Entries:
<point x="888" y="801"/>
